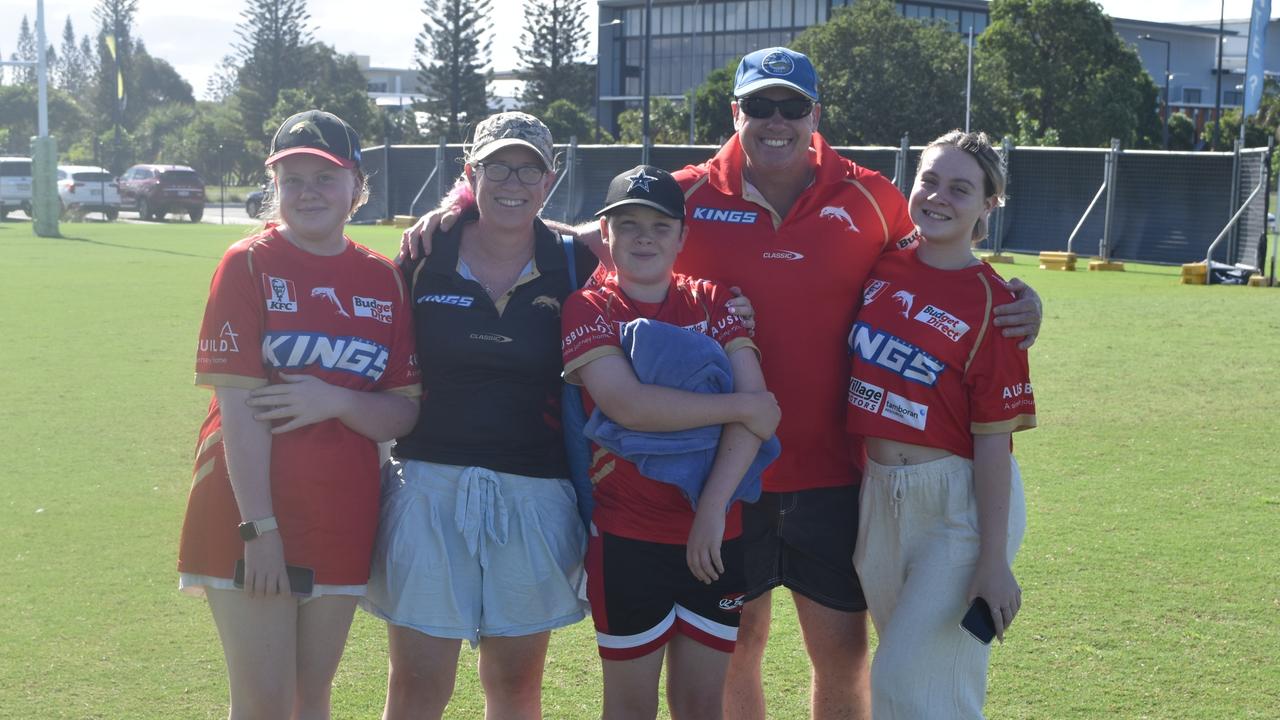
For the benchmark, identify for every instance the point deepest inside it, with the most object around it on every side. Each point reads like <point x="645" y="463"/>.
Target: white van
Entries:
<point x="15" y="185"/>
<point x="84" y="188"/>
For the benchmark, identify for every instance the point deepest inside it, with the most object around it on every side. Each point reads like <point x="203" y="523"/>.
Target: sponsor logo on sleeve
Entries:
<point x="459" y="300"/>
<point x="281" y="297"/>
<point x="840" y="214"/>
<point x="905" y="411"/>
<point x="944" y="322"/>
<point x="865" y="396"/>
<point x="597" y="328"/>
<point x="738" y="217"/>
<point x="379" y="310"/>
<point x="872" y="290"/>
<point x="1018" y="395"/>
<point x="908" y="240"/>
<point x="328" y="294"/>
<point x="224" y="343"/>
<point x="348" y="354"/>
<point x="894" y="354"/>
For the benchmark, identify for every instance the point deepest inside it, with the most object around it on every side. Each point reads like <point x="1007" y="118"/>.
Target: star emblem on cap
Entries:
<point x="640" y="180"/>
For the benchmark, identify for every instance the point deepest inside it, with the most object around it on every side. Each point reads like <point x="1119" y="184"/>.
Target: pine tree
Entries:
<point x="26" y="53"/>
<point x="71" y="71"/>
<point x="115" y="19"/>
<point x="224" y="81"/>
<point x="271" y="40"/>
<point x="553" y="41"/>
<point x="452" y="52"/>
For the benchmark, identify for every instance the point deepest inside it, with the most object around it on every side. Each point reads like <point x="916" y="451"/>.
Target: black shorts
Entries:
<point x="643" y="592"/>
<point x="804" y="541"/>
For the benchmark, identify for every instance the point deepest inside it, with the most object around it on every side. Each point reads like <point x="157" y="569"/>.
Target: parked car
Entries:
<point x="256" y="199"/>
<point x="15" y="185"/>
<point x="84" y="188"/>
<point x="157" y="190"/>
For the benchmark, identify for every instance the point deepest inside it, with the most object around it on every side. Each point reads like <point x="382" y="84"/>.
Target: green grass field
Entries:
<point x="1151" y="569"/>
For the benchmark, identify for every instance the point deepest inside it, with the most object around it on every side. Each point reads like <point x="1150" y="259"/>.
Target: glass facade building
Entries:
<point x="691" y="38"/>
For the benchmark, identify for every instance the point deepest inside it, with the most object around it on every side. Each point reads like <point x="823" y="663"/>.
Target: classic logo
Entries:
<point x="459" y="300"/>
<point x="906" y="412"/>
<point x="379" y="310"/>
<point x="224" y="343"/>
<point x="281" y="297"/>
<point x="865" y="396"/>
<point x="777" y="63"/>
<point x="838" y="213"/>
<point x="741" y="217"/>
<point x="490" y="337"/>
<point x="354" y="355"/>
<point x="872" y="290"/>
<point x="331" y="296"/>
<point x="905" y="299"/>
<point x="894" y="355"/>
<point x="944" y="322"/>
<point x="781" y="255"/>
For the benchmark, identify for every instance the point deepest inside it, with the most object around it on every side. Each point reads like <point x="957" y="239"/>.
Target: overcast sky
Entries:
<point x="193" y="37"/>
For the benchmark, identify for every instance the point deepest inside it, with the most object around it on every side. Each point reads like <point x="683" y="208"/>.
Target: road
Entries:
<point x="213" y="215"/>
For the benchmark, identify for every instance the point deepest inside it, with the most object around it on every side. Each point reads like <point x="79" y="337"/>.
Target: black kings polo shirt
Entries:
<point x="491" y="376"/>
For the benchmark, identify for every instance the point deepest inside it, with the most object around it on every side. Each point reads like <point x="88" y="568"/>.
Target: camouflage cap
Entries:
<point x="511" y="128"/>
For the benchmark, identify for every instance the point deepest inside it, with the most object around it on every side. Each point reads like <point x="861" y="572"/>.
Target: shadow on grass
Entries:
<point x="138" y="249"/>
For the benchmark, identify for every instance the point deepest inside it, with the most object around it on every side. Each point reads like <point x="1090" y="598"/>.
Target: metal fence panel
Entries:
<point x="1168" y="206"/>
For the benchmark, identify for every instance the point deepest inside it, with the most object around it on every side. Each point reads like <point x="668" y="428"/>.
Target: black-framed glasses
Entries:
<point x="761" y="108"/>
<point x="499" y="172"/>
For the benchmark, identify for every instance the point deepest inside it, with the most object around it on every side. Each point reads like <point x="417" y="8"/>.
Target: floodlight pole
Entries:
<point x="648" y="40"/>
<point x="1217" y="93"/>
<point x="968" y="83"/>
<point x="1167" y="45"/>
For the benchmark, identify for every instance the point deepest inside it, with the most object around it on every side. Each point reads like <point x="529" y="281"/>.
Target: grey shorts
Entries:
<point x="466" y="552"/>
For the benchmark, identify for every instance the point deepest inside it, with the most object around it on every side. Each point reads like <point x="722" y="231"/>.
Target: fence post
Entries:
<point x="386" y="166"/>
<point x="900" y="165"/>
<point x="1266" y="210"/>
<point x="571" y="167"/>
<point x="1113" y="171"/>
<point x="1237" y="168"/>
<point x="440" y="188"/>
<point x="997" y="227"/>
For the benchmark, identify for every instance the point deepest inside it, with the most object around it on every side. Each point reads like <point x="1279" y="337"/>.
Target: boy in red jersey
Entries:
<point x="661" y="575"/>
<point x="936" y="392"/>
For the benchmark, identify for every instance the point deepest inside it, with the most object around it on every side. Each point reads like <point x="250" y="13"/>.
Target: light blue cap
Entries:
<point x="776" y="67"/>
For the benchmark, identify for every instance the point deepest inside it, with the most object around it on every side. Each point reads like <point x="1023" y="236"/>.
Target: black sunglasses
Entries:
<point x="761" y="108"/>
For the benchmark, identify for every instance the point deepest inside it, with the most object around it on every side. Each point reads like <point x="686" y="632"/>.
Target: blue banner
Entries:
<point x="1253" y="76"/>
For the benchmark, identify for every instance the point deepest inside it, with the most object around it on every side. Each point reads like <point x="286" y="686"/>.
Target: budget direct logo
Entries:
<point x="379" y="310"/>
<point x="944" y="322"/>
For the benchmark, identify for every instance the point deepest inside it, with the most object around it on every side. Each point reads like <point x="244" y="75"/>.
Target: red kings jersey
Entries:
<point x="627" y="503"/>
<point x="928" y="366"/>
<point x="804" y="273"/>
<point x="345" y="319"/>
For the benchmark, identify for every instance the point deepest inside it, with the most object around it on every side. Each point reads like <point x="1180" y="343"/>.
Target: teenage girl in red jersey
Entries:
<point x="937" y="392"/>
<point x="307" y="344"/>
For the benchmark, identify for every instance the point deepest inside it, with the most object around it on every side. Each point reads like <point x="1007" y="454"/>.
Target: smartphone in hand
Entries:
<point x="978" y="623"/>
<point x="301" y="579"/>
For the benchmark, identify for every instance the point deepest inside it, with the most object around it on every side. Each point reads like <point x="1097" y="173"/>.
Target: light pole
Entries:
<point x="1217" y="93"/>
<point x="600" y="52"/>
<point x="693" y="92"/>
<point x="1167" y="44"/>
<point x="644" y="102"/>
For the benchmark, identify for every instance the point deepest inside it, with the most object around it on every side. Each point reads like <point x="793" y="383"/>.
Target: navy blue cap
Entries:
<point x="776" y="67"/>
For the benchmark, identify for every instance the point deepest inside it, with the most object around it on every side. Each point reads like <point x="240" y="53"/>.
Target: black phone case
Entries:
<point x="301" y="579"/>
<point x="977" y="622"/>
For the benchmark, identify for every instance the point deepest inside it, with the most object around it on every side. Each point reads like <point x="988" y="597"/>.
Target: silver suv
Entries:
<point x="15" y="185"/>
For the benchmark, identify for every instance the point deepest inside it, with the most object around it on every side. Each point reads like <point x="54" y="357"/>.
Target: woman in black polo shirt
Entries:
<point x="480" y="537"/>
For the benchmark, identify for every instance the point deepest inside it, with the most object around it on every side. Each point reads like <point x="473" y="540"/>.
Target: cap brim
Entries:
<point x="758" y="85"/>
<point x="340" y="162"/>
<point x="636" y="201"/>
<point x="496" y="145"/>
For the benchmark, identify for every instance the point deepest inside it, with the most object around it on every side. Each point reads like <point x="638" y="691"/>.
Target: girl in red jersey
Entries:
<point x="307" y="343"/>
<point x="937" y="392"/>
